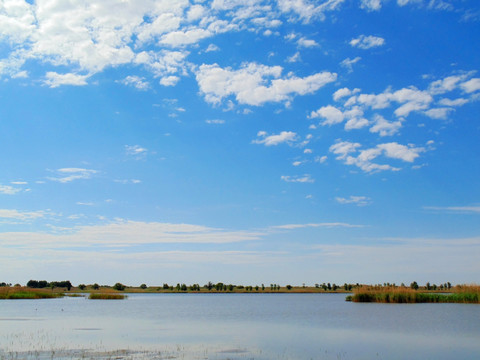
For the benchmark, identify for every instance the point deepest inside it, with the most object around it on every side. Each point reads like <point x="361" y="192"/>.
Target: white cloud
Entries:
<point x="371" y="5"/>
<point x="273" y="140"/>
<point x="9" y="190"/>
<point x="256" y="84"/>
<point x="348" y="63"/>
<point x="455" y="209"/>
<point x="384" y="127"/>
<point x="330" y="113"/>
<point x="445" y="85"/>
<point x="136" y="151"/>
<point x="321" y="159"/>
<point x="215" y="121"/>
<point x="136" y="81"/>
<point x="356" y="200"/>
<point x="298" y="179"/>
<point x="314" y="225"/>
<point x="438" y="113"/>
<point x="307" y="10"/>
<point x="21" y="215"/>
<point x="127" y="233"/>
<point x="171" y="80"/>
<point x="297" y="163"/>
<point x="344" y="92"/>
<point x="54" y="79"/>
<point x="211" y="48"/>
<point x="367" y="42"/>
<point x="471" y="85"/>
<point x="345" y="150"/>
<point x="450" y="102"/>
<point x="306" y="43"/>
<point x="294" y="58"/>
<point x="66" y="175"/>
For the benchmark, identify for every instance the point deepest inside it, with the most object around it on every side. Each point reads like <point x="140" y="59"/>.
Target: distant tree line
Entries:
<point x="40" y="284"/>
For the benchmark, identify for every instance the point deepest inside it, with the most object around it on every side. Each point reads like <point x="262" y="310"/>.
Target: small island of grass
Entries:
<point x="99" y="296"/>
<point x="468" y="294"/>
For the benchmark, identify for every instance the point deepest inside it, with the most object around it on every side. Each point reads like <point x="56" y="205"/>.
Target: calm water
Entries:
<point x="236" y="326"/>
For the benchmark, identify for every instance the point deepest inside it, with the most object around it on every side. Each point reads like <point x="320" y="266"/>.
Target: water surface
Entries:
<point x="237" y="326"/>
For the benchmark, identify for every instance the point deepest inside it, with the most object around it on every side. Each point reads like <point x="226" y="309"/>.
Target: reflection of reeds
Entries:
<point x="462" y="294"/>
<point x="27" y="293"/>
<point x="98" y="296"/>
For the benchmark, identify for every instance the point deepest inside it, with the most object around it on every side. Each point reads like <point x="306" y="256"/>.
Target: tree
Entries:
<point x="119" y="286"/>
<point x="289" y="287"/>
<point x="95" y="286"/>
<point x="82" y="286"/>
<point x="143" y="286"/>
<point x="414" y="285"/>
<point x="165" y="286"/>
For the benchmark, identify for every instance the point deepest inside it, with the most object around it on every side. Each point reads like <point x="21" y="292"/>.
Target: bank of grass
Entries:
<point x="468" y="294"/>
<point x="106" y="296"/>
<point x="21" y="293"/>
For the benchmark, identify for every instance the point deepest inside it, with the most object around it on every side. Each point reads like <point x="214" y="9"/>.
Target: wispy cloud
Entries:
<point x="355" y="200"/>
<point x="66" y="175"/>
<point x="307" y="178"/>
<point x="136" y="81"/>
<point x="315" y="225"/>
<point x="21" y="215"/>
<point x="455" y="209"/>
<point x="9" y="190"/>
<point x="136" y="151"/>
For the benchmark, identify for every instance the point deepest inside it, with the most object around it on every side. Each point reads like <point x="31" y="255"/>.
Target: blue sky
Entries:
<point x="242" y="141"/>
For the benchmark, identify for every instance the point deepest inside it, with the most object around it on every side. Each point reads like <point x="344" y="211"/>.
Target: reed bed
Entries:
<point x="468" y="294"/>
<point x="21" y="293"/>
<point x="109" y="296"/>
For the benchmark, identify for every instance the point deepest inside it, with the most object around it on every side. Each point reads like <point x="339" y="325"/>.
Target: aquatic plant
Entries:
<point x="462" y="294"/>
<point x="105" y="296"/>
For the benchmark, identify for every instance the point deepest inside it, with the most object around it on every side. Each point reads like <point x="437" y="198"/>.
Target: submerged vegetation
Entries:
<point x="460" y="294"/>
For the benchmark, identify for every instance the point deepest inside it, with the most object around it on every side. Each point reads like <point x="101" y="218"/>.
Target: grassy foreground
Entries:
<point x="19" y="292"/>
<point x="468" y="294"/>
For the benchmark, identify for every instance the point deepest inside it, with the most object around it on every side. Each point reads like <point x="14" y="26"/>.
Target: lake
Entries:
<point x="236" y="326"/>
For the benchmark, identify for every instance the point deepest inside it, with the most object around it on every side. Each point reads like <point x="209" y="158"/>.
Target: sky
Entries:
<point x="240" y="141"/>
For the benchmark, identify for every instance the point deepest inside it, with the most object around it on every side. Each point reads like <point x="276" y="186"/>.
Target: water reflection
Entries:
<point x="290" y="326"/>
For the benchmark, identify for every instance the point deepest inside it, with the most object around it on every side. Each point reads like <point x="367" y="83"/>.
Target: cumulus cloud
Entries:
<point x="308" y="10"/>
<point x="53" y="79"/>
<point x="439" y="113"/>
<point x="345" y="151"/>
<point x="471" y="85"/>
<point x="255" y="84"/>
<point x="384" y="127"/>
<point x="137" y="82"/>
<point x="275" y="139"/>
<point x="367" y="42"/>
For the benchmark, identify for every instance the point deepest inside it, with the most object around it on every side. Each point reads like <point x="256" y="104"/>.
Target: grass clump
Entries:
<point x="98" y="296"/>
<point x="468" y="294"/>
<point x="22" y="293"/>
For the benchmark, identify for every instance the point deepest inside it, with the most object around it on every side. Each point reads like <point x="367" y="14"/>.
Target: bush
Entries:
<point x="143" y="286"/>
